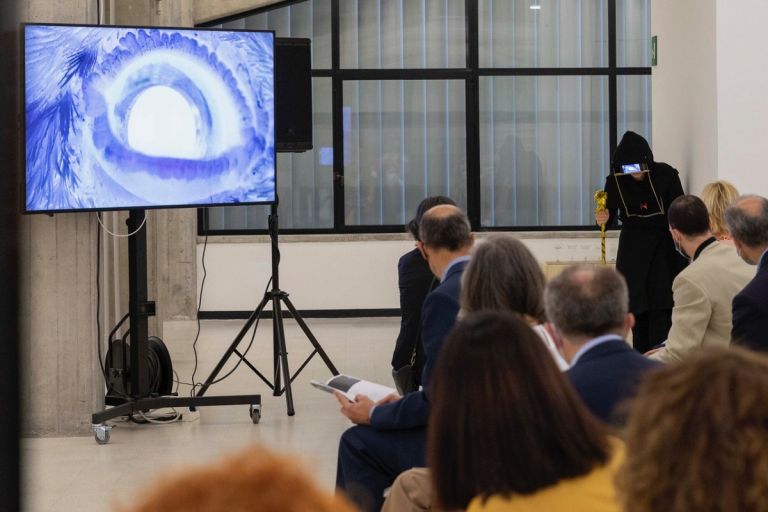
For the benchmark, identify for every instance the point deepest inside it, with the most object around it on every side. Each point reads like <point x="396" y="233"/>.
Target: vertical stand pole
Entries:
<point x="278" y="329"/>
<point x="137" y="307"/>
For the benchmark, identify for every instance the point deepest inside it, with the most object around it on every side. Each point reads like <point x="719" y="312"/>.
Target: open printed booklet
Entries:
<point x="351" y="387"/>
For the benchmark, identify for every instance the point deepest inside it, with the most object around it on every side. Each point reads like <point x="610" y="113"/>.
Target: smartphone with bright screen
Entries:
<point x="631" y="169"/>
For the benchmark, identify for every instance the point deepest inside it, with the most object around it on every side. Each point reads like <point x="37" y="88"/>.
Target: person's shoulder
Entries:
<point x="410" y="256"/>
<point x="665" y="169"/>
<point x="725" y="256"/>
<point x="690" y="276"/>
<point x="413" y="262"/>
<point x="757" y="289"/>
<point x="611" y="354"/>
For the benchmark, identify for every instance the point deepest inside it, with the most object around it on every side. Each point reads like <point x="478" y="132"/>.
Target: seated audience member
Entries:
<point x="717" y="197"/>
<point x="697" y="439"/>
<point x="390" y="436"/>
<point x="508" y="432"/>
<point x="415" y="280"/>
<point x="704" y="290"/>
<point x="503" y="275"/>
<point x="589" y="311"/>
<point x="748" y="224"/>
<point x="253" y="481"/>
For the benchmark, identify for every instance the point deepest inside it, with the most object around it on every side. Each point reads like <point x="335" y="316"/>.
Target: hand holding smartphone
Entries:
<point x="631" y="169"/>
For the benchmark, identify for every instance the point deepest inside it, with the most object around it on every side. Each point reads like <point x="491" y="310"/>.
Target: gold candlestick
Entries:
<point x="601" y="200"/>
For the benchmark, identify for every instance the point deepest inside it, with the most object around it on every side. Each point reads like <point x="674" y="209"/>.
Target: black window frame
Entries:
<point x="471" y="75"/>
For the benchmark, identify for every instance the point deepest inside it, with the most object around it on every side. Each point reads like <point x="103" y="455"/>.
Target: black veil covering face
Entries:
<point x="633" y="149"/>
<point x="646" y="256"/>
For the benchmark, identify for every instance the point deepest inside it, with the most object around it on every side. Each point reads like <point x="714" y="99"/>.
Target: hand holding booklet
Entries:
<point x="351" y="387"/>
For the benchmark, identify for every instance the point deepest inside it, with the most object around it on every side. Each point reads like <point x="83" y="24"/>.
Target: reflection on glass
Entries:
<point x="544" y="149"/>
<point x="304" y="180"/>
<point x="633" y="33"/>
<point x="402" y="34"/>
<point x="562" y="33"/>
<point x="404" y="141"/>
<point x="634" y="105"/>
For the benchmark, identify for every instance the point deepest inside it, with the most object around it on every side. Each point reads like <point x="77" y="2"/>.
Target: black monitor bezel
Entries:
<point x="23" y="120"/>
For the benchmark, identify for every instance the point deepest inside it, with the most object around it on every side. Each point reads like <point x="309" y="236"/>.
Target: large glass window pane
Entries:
<point x="634" y="105"/>
<point x="560" y="33"/>
<point x="304" y="180"/>
<point x="402" y="34"/>
<point x="404" y="140"/>
<point x="544" y="149"/>
<point x="633" y="33"/>
<point x="310" y="19"/>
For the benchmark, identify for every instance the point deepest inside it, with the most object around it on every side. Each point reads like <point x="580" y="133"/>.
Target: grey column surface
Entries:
<point x="207" y="10"/>
<point x="61" y="379"/>
<point x="61" y="385"/>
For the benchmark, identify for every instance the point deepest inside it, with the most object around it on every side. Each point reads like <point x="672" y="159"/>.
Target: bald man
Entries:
<point x="747" y="222"/>
<point x="390" y="436"/>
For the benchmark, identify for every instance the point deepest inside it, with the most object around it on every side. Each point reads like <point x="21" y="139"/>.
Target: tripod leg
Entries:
<point x="310" y="336"/>
<point x="276" y="353"/>
<point x="233" y="346"/>
<point x="280" y="329"/>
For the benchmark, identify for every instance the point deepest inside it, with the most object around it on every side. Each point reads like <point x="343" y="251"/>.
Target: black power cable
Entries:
<point x="199" y="305"/>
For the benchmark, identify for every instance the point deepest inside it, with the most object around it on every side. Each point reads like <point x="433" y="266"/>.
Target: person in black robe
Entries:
<point x="647" y="256"/>
<point x="415" y="281"/>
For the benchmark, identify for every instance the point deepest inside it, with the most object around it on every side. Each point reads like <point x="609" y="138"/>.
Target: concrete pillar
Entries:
<point x="171" y="262"/>
<point x="207" y="10"/>
<point x="62" y="384"/>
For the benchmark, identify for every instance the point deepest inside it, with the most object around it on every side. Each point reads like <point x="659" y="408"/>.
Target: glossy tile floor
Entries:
<point x="76" y="474"/>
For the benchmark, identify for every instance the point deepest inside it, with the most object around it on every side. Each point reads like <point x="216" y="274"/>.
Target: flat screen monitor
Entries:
<point x="126" y="117"/>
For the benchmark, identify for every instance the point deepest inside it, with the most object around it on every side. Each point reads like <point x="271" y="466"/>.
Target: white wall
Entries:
<point x="742" y="93"/>
<point x="710" y="107"/>
<point x="684" y="89"/>
<point x="339" y="273"/>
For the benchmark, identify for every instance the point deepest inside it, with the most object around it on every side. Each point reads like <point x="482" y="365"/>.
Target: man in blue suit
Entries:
<point x="390" y="436"/>
<point x="589" y="311"/>
<point x="747" y="222"/>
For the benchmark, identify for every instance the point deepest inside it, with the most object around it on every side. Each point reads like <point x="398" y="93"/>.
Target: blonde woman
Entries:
<point x="718" y="196"/>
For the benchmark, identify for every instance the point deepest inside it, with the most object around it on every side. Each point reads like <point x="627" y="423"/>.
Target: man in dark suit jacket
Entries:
<point x="589" y="310"/>
<point x="747" y="222"/>
<point x="390" y="435"/>
<point x="415" y="280"/>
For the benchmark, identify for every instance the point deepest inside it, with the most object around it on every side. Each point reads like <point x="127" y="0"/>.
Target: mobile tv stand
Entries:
<point x="139" y="310"/>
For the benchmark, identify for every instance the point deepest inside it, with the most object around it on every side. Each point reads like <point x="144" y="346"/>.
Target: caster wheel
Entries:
<point x="101" y="433"/>
<point x="255" y="412"/>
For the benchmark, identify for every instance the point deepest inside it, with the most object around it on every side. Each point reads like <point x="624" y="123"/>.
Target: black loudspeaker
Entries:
<point x="293" y="95"/>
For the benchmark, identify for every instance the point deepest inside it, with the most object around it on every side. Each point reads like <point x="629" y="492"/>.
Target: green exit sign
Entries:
<point x="654" y="50"/>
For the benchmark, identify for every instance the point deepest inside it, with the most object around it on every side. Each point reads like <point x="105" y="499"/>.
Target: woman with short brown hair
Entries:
<point x="503" y="275"/>
<point x="697" y="437"/>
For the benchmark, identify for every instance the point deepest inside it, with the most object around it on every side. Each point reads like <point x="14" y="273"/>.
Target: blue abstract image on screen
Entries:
<point x="141" y="117"/>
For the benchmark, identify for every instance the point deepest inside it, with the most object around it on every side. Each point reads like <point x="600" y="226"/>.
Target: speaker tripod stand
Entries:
<point x="282" y="378"/>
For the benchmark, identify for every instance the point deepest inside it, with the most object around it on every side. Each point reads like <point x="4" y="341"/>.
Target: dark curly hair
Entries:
<point x="697" y="437"/>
